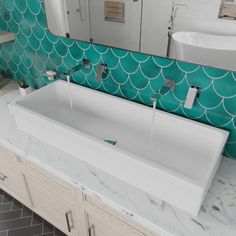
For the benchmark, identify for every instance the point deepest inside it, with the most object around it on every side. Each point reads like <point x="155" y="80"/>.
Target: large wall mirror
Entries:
<point x="198" y="31"/>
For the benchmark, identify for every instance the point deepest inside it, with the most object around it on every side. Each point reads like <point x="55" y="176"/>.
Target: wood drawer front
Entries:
<point x="12" y="182"/>
<point x="51" y="200"/>
<point x="102" y="223"/>
<point x="7" y="157"/>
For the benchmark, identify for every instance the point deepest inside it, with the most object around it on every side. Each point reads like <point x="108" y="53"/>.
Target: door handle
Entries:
<point x="91" y="230"/>
<point x="69" y="226"/>
<point x="82" y="11"/>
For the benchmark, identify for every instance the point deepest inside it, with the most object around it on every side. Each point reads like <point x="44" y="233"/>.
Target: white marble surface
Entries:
<point x="217" y="217"/>
<point x="13" y="85"/>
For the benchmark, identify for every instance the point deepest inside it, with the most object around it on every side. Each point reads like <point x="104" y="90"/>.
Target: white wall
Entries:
<point x="56" y="18"/>
<point x="156" y="15"/>
<point x="202" y="15"/>
<point x="76" y="23"/>
<point x="199" y="15"/>
<point x="78" y="19"/>
<point x="123" y="35"/>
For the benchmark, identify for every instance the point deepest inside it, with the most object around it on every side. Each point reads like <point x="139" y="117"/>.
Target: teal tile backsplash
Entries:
<point x="131" y="75"/>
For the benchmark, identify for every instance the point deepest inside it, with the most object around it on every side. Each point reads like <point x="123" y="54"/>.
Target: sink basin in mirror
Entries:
<point x="144" y="26"/>
<point x="175" y="159"/>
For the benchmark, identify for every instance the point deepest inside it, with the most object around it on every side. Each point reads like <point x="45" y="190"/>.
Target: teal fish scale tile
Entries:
<point x="133" y="76"/>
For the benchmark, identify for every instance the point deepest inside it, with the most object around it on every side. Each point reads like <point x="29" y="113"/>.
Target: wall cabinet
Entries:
<point x="61" y="203"/>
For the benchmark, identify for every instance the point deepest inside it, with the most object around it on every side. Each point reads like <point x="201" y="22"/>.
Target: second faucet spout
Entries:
<point x="168" y="86"/>
<point x="76" y="68"/>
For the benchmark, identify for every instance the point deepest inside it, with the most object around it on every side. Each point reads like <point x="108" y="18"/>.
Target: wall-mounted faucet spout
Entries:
<point x="76" y="68"/>
<point x="169" y="85"/>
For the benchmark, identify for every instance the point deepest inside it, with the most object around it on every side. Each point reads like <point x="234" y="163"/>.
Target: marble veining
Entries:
<point x="217" y="217"/>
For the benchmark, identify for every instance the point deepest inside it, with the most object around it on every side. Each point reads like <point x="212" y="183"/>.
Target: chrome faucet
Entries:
<point x="193" y="93"/>
<point x="102" y="71"/>
<point x="85" y="64"/>
<point x="53" y="75"/>
<point x="169" y="85"/>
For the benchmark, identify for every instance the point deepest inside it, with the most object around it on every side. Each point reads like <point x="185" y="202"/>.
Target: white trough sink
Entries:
<point x="177" y="166"/>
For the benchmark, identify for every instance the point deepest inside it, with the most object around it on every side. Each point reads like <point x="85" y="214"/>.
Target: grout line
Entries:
<point x="43" y="226"/>
<point x="32" y="219"/>
<point x="15" y="219"/>
<point x="5" y="202"/>
<point x="12" y="204"/>
<point x="51" y="232"/>
<point x="8" y="211"/>
<point x="21" y="214"/>
<point x="23" y="227"/>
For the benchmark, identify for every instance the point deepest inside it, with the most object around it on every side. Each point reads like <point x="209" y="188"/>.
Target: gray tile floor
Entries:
<point x="18" y="220"/>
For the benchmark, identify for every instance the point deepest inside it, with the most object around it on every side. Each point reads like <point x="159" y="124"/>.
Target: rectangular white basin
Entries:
<point x="177" y="166"/>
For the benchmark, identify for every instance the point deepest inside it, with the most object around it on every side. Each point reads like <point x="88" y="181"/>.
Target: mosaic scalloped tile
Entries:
<point x="131" y="75"/>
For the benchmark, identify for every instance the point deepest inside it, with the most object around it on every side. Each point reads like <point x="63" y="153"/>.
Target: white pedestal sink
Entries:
<point x="177" y="166"/>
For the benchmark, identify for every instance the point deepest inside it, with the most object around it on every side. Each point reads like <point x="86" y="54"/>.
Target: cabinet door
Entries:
<point x="7" y="158"/>
<point x="11" y="181"/>
<point x="101" y="223"/>
<point x="52" y="200"/>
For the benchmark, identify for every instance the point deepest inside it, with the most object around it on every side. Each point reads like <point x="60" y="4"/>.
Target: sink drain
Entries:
<point x="111" y="141"/>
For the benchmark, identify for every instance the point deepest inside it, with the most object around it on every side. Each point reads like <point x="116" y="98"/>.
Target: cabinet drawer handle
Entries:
<point x="91" y="230"/>
<point x="69" y="226"/>
<point x="3" y="177"/>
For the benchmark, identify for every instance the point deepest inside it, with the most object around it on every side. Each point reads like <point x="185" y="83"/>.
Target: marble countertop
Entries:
<point x="11" y="86"/>
<point x="217" y="217"/>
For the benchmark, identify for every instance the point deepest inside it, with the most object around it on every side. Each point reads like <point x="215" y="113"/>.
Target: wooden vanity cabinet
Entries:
<point x="62" y="204"/>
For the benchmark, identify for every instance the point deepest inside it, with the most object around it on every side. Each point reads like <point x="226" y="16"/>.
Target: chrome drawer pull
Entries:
<point x="69" y="226"/>
<point x="91" y="230"/>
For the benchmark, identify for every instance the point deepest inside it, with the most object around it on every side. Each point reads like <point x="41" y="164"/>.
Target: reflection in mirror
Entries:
<point x="111" y="23"/>
<point x="197" y="31"/>
<point x="228" y="9"/>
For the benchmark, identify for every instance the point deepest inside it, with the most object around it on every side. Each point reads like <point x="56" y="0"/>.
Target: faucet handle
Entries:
<point x="193" y="93"/>
<point x="51" y="74"/>
<point x="170" y="84"/>
<point x="86" y="63"/>
<point x="101" y="70"/>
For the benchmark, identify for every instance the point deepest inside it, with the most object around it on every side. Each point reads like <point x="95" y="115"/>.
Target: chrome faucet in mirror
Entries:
<point x="102" y="71"/>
